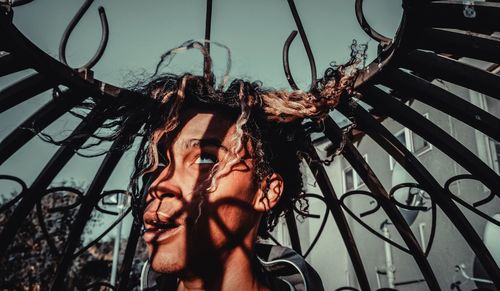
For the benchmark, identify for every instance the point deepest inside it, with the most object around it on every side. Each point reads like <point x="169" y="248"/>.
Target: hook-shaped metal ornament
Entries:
<point x="71" y="26"/>
<point x="307" y="47"/>
<point x="360" y="16"/>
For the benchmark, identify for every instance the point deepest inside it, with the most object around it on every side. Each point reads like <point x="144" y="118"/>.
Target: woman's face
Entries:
<point x="184" y="223"/>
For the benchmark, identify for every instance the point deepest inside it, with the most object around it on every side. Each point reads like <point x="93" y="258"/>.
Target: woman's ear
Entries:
<point x="269" y="193"/>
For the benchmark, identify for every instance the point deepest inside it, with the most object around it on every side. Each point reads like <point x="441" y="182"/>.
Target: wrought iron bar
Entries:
<point x="448" y="69"/>
<point x="323" y="222"/>
<point x="305" y="42"/>
<point x="45" y="64"/>
<point x="438" y="194"/>
<point x="69" y="29"/>
<point x="128" y="257"/>
<point x="415" y="87"/>
<point x="325" y="185"/>
<point x="333" y="132"/>
<point x="52" y="168"/>
<point x="102" y="234"/>
<point x="385" y="104"/>
<point x="360" y="16"/>
<point x="90" y="200"/>
<point x="9" y="64"/>
<point x="483" y="19"/>
<point x="286" y="62"/>
<point x="38" y="121"/>
<point x="291" y="224"/>
<point x="23" y="90"/>
<point x="459" y="43"/>
<point x="207" y="70"/>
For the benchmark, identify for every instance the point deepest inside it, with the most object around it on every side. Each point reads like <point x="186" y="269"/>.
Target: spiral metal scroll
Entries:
<point x="426" y="47"/>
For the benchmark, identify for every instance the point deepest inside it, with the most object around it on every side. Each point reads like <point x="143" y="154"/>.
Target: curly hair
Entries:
<point x="267" y="119"/>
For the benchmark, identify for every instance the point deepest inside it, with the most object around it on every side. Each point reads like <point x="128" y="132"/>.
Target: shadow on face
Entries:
<point x="190" y="230"/>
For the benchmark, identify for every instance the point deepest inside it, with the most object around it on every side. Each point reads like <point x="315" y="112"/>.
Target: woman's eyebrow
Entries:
<point x="205" y="142"/>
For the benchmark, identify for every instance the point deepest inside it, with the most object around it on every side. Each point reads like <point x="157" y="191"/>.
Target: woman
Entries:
<point x="220" y="167"/>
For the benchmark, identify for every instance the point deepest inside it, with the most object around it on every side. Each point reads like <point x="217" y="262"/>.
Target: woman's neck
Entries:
<point x="238" y="271"/>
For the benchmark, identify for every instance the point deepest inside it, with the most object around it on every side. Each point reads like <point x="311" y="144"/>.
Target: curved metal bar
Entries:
<point x="323" y="222"/>
<point x="91" y="199"/>
<point x="9" y="64"/>
<point x="360" y="16"/>
<point x="69" y="29"/>
<point x="43" y="63"/>
<point x="333" y="132"/>
<point x="430" y="14"/>
<point x="286" y="63"/>
<point x="207" y="64"/>
<point x="18" y="196"/>
<point x="362" y="223"/>
<point x="65" y="189"/>
<point x="415" y="87"/>
<point x="448" y="69"/>
<point x="390" y="143"/>
<point x="305" y="42"/>
<point x="23" y="90"/>
<point x="45" y="231"/>
<point x="105" y="232"/>
<point x="291" y="224"/>
<point x="39" y="120"/>
<point x="15" y="3"/>
<point x="40" y="214"/>
<point x="335" y="207"/>
<point x="459" y="43"/>
<point x="107" y="193"/>
<point x="128" y="257"/>
<point x="401" y="205"/>
<point x="385" y="104"/>
<point x="47" y="174"/>
<point x="470" y="177"/>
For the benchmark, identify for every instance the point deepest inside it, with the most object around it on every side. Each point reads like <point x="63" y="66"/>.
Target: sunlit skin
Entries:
<point x="211" y="249"/>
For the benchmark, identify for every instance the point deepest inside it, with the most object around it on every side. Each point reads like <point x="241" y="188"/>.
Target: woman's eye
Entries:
<point x="205" y="159"/>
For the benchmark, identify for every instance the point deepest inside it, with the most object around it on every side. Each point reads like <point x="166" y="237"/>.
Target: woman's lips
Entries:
<point x="157" y="235"/>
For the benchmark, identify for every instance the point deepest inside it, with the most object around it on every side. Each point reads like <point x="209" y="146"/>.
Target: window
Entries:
<point x="348" y="179"/>
<point x="420" y="145"/>
<point x="351" y="179"/>
<point x="495" y="155"/>
<point x="413" y="142"/>
<point x="404" y="136"/>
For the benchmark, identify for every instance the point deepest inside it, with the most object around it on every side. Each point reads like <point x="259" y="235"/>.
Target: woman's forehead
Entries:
<point x="196" y="124"/>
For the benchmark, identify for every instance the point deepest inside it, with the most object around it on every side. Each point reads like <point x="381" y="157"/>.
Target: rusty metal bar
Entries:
<point x="404" y="157"/>
<point x="24" y="90"/>
<point x="325" y="185"/>
<point x="38" y="121"/>
<point x="448" y="69"/>
<point x="415" y="87"/>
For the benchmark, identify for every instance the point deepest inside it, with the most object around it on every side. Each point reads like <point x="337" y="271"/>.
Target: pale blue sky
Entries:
<point x="140" y="31"/>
